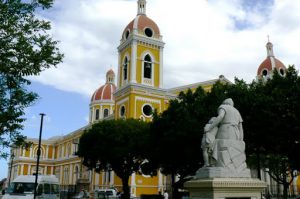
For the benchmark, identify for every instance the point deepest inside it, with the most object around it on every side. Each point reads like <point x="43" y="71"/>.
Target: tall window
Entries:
<point x="105" y="113"/>
<point x="97" y="114"/>
<point x="147" y="67"/>
<point x="125" y="68"/>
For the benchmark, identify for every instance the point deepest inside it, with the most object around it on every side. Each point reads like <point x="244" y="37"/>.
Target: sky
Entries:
<point x="204" y="39"/>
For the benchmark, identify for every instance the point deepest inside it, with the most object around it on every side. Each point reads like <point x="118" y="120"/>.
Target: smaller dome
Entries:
<point x="106" y="91"/>
<point x="266" y="66"/>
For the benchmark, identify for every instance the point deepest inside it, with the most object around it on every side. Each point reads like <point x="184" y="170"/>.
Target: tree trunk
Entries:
<point x="285" y="190"/>
<point x="126" y="190"/>
<point x="173" y="182"/>
<point x="258" y="164"/>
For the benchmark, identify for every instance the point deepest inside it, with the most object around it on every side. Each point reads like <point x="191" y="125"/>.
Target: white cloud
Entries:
<point x="203" y="38"/>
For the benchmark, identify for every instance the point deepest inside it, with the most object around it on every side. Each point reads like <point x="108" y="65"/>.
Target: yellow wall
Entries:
<point x="25" y="169"/>
<point x="27" y="153"/>
<point x="48" y="170"/>
<point x="50" y="150"/>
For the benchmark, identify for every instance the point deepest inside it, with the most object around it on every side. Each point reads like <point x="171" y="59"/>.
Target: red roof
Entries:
<point x="142" y="22"/>
<point x="105" y="92"/>
<point x="266" y="64"/>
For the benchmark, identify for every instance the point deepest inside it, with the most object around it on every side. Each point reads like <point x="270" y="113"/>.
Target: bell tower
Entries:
<point x="140" y="67"/>
<point x="141" y="51"/>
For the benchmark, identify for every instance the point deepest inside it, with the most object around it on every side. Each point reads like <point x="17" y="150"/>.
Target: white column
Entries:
<point x="160" y="181"/>
<point x="97" y="179"/>
<point x="161" y="59"/>
<point x="22" y="169"/>
<point x="112" y="178"/>
<point x="53" y="152"/>
<point x="101" y="112"/>
<point x="133" y="184"/>
<point x="111" y="110"/>
<point x="63" y="150"/>
<point x="45" y="170"/>
<point x="29" y="170"/>
<point x="71" y="174"/>
<point x="61" y="175"/>
<point x="133" y="62"/>
<point x="103" y="177"/>
<point x="31" y="151"/>
<point x="295" y="185"/>
<point x="119" y="79"/>
<point x="52" y="170"/>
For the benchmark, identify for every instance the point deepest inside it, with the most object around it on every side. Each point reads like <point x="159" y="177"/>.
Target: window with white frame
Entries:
<point x="147" y="67"/>
<point x="125" y="68"/>
<point x="105" y="113"/>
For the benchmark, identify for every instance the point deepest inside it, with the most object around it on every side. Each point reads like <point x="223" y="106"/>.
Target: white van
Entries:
<point x="23" y="187"/>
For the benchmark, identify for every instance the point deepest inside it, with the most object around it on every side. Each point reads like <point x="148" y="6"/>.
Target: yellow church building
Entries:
<point x="138" y="92"/>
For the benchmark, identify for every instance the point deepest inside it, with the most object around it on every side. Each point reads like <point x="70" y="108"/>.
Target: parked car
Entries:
<point x="105" y="194"/>
<point x="83" y="194"/>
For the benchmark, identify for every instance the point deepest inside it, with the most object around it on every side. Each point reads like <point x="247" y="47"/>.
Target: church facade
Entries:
<point x="138" y="91"/>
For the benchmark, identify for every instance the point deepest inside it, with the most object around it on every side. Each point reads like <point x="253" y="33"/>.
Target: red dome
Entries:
<point x="141" y="22"/>
<point x="267" y="65"/>
<point x="105" y="92"/>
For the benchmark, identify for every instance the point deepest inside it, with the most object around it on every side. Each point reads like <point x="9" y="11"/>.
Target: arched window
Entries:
<point x="105" y="113"/>
<point x="125" y="68"/>
<point x="147" y="67"/>
<point x="97" y="115"/>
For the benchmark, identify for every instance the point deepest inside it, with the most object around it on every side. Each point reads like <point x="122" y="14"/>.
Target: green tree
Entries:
<point x="271" y="114"/>
<point x="270" y="111"/>
<point x="26" y="49"/>
<point x="176" y="134"/>
<point x="115" y="144"/>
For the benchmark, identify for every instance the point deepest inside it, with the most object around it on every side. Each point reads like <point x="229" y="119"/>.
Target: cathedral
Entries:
<point x="134" y="93"/>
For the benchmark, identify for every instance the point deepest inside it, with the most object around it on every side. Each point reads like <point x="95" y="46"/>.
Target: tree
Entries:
<point x="270" y="110"/>
<point x="271" y="115"/>
<point x="176" y="134"/>
<point x="26" y="49"/>
<point x="115" y="144"/>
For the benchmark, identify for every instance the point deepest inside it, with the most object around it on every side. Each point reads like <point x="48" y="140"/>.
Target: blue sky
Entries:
<point x="204" y="39"/>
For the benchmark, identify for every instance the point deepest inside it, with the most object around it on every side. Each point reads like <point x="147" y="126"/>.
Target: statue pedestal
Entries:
<point x="225" y="188"/>
<point x="221" y="172"/>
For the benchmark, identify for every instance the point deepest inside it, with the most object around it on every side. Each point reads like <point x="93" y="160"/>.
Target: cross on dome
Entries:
<point x="141" y="7"/>
<point x="269" y="47"/>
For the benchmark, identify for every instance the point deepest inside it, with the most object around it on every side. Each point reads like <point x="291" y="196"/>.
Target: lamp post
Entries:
<point x="12" y="156"/>
<point x="38" y="155"/>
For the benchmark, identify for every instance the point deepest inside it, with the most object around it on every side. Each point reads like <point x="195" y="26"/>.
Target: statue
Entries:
<point x="208" y="141"/>
<point x="223" y="145"/>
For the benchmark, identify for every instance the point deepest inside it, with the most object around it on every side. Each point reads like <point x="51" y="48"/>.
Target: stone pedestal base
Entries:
<point x="220" y="172"/>
<point x="225" y="188"/>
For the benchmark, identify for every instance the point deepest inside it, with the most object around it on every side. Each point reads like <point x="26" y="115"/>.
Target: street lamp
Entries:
<point x="38" y="155"/>
<point x="12" y="156"/>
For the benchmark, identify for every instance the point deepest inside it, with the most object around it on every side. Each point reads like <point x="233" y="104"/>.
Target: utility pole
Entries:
<point x="38" y="156"/>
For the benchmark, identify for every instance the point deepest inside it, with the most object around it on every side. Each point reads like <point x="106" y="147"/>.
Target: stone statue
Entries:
<point x="223" y="145"/>
<point x="208" y="141"/>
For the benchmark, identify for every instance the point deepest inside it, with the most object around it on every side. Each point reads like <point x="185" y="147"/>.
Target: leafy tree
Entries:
<point x="271" y="114"/>
<point x="26" y="49"/>
<point x="176" y="134"/>
<point x="117" y="144"/>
